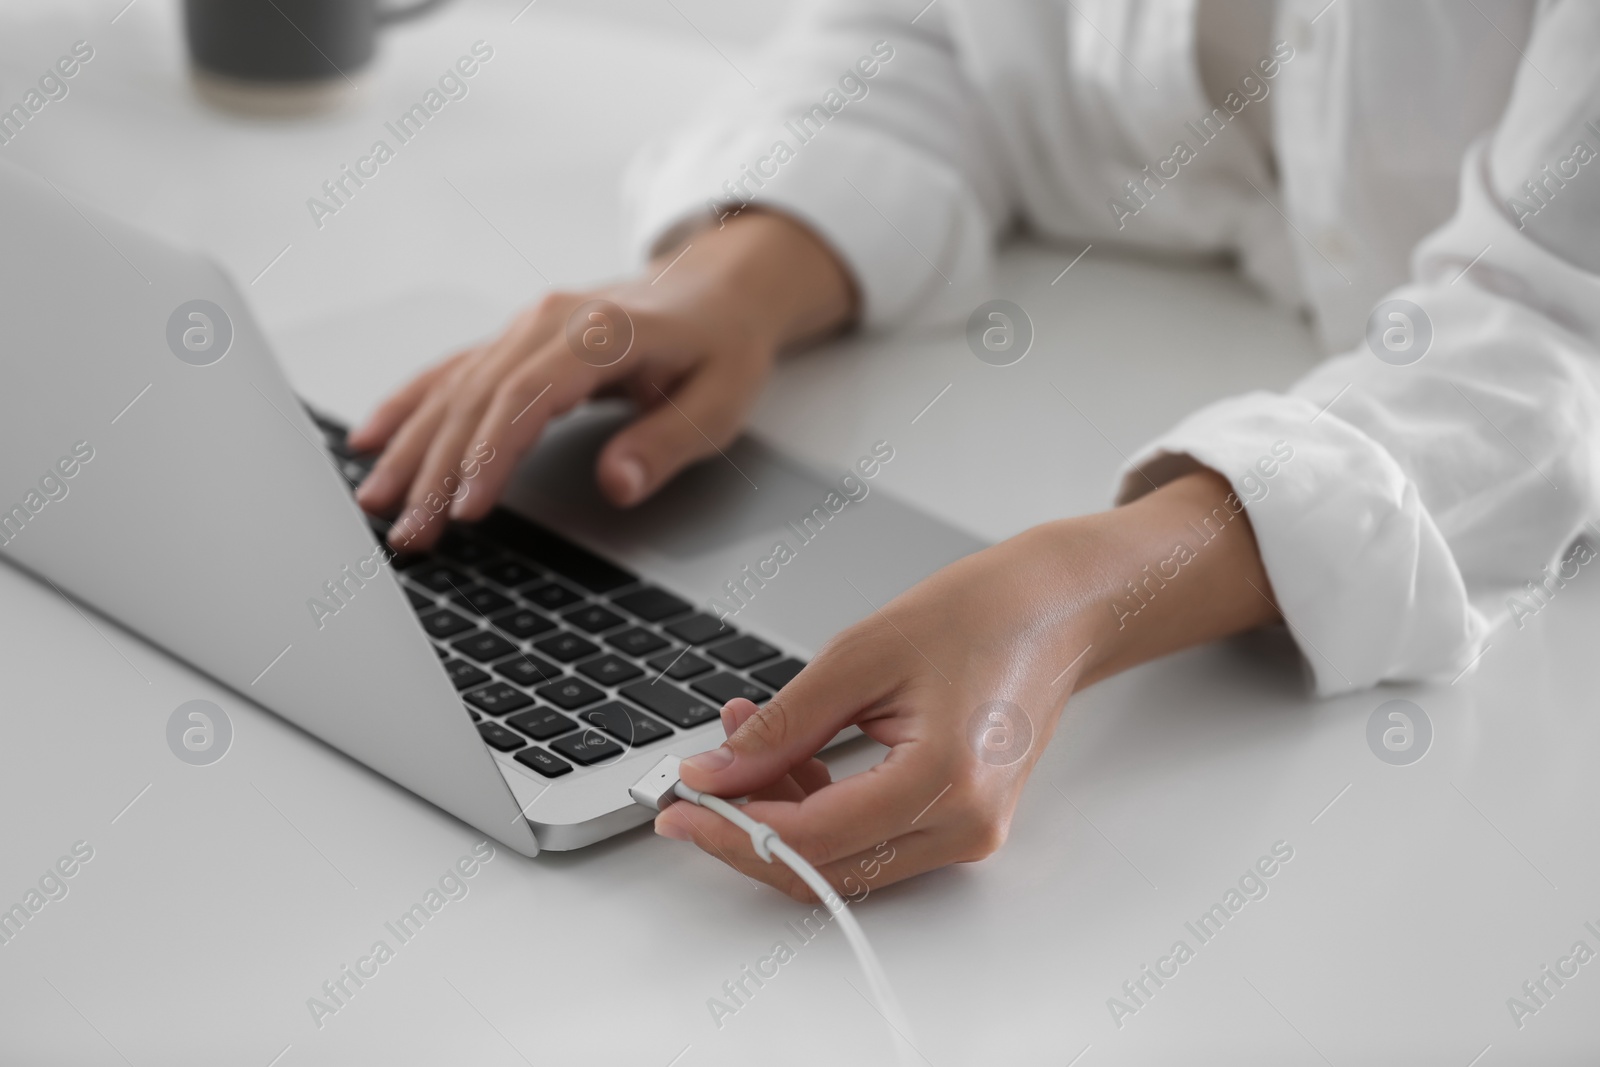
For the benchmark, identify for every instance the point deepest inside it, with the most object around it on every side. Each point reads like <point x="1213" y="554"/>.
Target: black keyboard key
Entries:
<point x="552" y="596"/>
<point x="528" y="670"/>
<point x="590" y="746"/>
<point x="510" y="574"/>
<point x="479" y="598"/>
<point x="700" y="628"/>
<point x="636" y="641"/>
<point x="566" y="647"/>
<point x="743" y="652"/>
<point x="522" y="622"/>
<point x="625" y="724"/>
<point x="541" y="761"/>
<point x="499" y="737"/>
<point x="475" y="716"/>
<point x="779" y="674"/>
<point x="679" y="665"/>
<point x="651" y="604"/>
<point x="609" y="669"/>
<point x="671" y="703"/>
<point x="442" y="623"/>
<point x="497" y="699"/>
<point x="724" y="687"/>
<point x="335" y="437"/>
<point x="463" y="674"/>
<point x="542" y="724"/>
<point x="444" y="653"/>
<point x="418" y="601"/>
<point x="459" y="548"/>
<point x="593" y="619"/>
<point x="484" y="646"/>
<point x="570" y="693"/>
<point x="439" y="578"/>
<point x="526" y="538"/>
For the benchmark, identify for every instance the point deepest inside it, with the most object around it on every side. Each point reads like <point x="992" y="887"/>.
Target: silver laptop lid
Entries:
<point x="154" y="464"/>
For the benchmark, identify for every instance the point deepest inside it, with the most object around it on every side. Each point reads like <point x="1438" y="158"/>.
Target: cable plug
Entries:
<point x="655" y="790"/>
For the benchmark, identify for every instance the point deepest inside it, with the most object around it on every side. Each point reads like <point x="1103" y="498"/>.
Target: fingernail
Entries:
<point x="711" y="762"/>
<point x="458" y="506"/>
<point x="632" y="473"/>
<point x="401" y="534"/>
<point x="671" y="828"/>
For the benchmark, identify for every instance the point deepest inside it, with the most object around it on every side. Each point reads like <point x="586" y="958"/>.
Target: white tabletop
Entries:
<point x="219" y="899"/>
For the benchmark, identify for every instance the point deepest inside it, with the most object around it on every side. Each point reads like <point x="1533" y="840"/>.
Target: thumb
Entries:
<point x="821" y="700"/>
<point x="693" y="421"/>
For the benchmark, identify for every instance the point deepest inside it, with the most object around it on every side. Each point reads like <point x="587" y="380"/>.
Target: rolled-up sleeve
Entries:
<point x="1426" y="504"/>
<point x="889" y="169"/>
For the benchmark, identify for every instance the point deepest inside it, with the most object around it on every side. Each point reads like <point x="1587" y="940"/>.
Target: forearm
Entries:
<point x="1176" y="568"/>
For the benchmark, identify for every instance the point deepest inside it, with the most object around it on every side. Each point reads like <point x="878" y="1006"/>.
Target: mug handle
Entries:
<point x="387" y="15"/>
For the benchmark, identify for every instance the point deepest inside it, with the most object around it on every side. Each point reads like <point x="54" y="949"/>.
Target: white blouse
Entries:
<point x="1442" y="154"/>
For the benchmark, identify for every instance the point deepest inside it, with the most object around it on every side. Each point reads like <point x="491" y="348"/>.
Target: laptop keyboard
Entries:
<point x="563" y="659"/>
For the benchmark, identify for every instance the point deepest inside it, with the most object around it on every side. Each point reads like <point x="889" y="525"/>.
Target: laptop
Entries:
<point x="156" y="466"/>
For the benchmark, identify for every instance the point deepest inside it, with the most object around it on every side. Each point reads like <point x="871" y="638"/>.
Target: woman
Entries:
<point x="1419" y="178"/>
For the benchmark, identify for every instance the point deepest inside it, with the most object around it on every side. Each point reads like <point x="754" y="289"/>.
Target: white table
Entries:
<point x="1418" y="900"/>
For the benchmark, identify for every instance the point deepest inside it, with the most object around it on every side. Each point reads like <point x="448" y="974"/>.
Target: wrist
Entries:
<point x="769" y="272"/>
<point x="1049" y="577"/>
<point x="1176" y="568"/>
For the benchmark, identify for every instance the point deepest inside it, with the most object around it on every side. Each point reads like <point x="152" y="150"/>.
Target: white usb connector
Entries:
<point x="654" y="790"/>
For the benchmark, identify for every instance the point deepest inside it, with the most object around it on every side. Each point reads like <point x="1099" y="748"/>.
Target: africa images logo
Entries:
<point x="199" y="332"/>
<point x="1399" y="732"/>
<point x="199" y="732"/>
<point x="999" y="333"/>
<point x="1399" y="332"/>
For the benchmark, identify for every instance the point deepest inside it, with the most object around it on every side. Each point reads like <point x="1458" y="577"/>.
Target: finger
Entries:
<point x="686" y="822"/>
<point x="811" y="776"/>
<point x="785" y="788"/>
<point x="805" y="779"/>
<point x="840" y="819"/>
<point x="438" y="483"/>
<point x="544" y="386"/>
<point x="844" y="680"/>
<point x="734" y="714"/>
<point x="888" y="862"/>
<point x="417" y="461"/>
<point x="384" y="488"/>
<point x="393" y="412"/>
<point x="798" y="784"/>
<point x="853" y="877"/>
<point x="898" y="796"/>
<point x="554" y="381"/>
<point x="698" y="418"/>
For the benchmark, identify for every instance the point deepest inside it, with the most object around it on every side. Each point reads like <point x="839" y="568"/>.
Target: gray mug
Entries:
<point x="288" y="41"/>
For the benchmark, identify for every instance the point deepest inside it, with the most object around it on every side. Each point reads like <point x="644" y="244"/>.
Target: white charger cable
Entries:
<point x="662" y="787"/>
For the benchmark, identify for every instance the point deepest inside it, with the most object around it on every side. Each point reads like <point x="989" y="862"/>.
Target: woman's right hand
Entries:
<point x="691" y="343"/>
